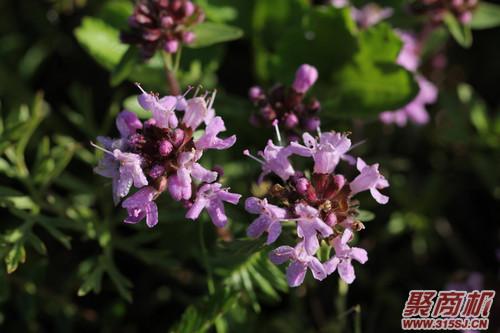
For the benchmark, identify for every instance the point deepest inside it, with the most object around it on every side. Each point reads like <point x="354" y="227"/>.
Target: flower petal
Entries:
<point x="295" y="273"/>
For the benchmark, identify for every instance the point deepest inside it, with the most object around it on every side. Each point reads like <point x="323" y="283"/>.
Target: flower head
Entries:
<point x="318" y="201"/>
<point x="305" y="77"/>
<point x="288" y="106"/>
<point x="160" y="24"/>
<point x="162" y="155"/>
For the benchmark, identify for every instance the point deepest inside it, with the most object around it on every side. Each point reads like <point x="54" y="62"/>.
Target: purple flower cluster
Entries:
<point x="321" y="205"/>
<point x="436" y="9"/>
<point x="162" y="154"/>
<point x="366" y="16"/>
<point x="287" y="105"/>
<point x="162" y="24"/>
<point x="415" y="111"/>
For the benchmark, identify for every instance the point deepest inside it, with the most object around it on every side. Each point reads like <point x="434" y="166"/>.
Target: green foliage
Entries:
<point x="202" y="316"/>
<point x="101" y="41"/>
<point x="358" y="71"/>
<point x="486" y="16"/>
<point x="209" y="33"/>
<point x="461" y="32"/>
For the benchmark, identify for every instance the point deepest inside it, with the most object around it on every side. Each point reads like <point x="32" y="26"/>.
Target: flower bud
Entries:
<point x="149" y="123"/>
<point x="165" y="148"/>
<point x="255" y="93"/>
<point x="167" y="22"/>
<point x="156" y="171"/>
<point x="127" y="123"/>
<point x="178" y="137"/>
<point x="189" y="8"/>
<point x="171" y="46"/>
<point x="291" y="120"/>
<point x="331" y="219"/>
<point x="465" y="17"/>
<point x="311" y="124"/>
<point x="305" y="77"/>
<point x="302" y="185"/>
<point x="268" y="113"/>
<point x="188" y="37"/>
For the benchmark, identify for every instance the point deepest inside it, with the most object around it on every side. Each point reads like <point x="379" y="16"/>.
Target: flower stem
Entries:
<point x="204" y="254"/>
<point x="172" y="82"/>
<point x="340" y="303"/>
<point x="357" y="319"/>
<point x="178" y="60"/>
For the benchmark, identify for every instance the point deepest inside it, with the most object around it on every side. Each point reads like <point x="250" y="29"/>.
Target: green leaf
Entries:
<point x="15" y="256"/>
<point x="209" y="33"/>
<point x="324" y="251"/>
<point x="365" y="215"/>
<point x="270" y="21"/>
<point x="56" y="233"/>
<point x="326" y="41"/>
<point x="125" y="66"/>
<point x="218" y="14"/>
<point x="365" y="88"/>
<point x="485" y="16"/>
<point x="10" y="197"/>
<point x="55" y="163"/>
<point x="92" y="275"/>
<point x="101" y="41"/>
<point x="245" y="267"/>
<point x="37" y="244"/>
<point x="116" y="13"/>
<point x="200" y="317"/>
<point x="121" y="283"/>
<point x="371" y="81"/>
<point x="460" y="32"/>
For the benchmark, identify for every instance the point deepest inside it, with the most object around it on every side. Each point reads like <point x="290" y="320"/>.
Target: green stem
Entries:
<point x="357" y="319"/>
<point x="172" y="82"/>
<point x="177" y="60"/>
<point x="340" y="303"/>
<point x="204" y="254"/>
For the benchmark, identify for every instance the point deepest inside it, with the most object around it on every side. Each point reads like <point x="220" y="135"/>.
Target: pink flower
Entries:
<point x="369" y="179"/>
<point x="409" y="56"/>
<point x="163" y="109"/>
<point x="197" y="111"/>
<point x="326" y="153"/>
<point x="141" y="205"/>
<point x="127" y="123"/>
<point x="212" y="197"/>
<point x="343" y="258"/>
<point x="276" y="161"/>
<point x="179" y="184"/>
<point x="209" y="139"/>
<point x="370" y="14"/>
<point x="309" y="225"/>
<point x="300" y="262"/>
<point x="269" y="220"/>
<point x="305" y="77"/>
